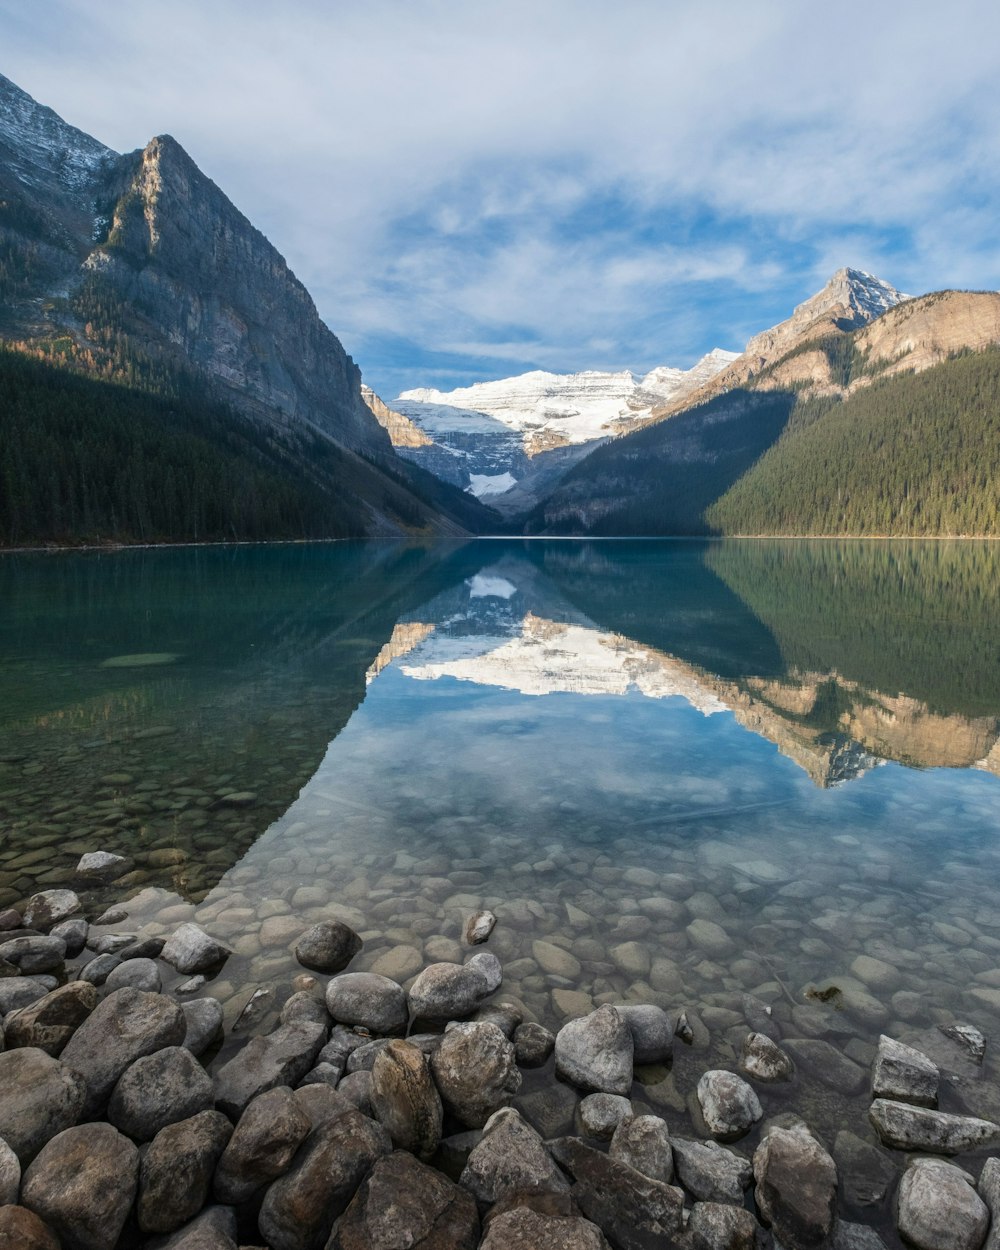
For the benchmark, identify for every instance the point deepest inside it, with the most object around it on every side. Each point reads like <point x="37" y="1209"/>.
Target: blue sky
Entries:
<point x="473" y="190"/>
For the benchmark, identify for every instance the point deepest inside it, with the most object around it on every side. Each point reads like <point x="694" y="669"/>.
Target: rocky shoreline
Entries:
<point x="381" y="1114"/>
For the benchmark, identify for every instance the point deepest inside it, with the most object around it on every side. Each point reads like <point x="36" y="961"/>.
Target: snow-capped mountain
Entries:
<point x="39" y="147"/>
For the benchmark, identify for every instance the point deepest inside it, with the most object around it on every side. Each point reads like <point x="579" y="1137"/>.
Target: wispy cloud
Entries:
<point x="503" y="185"/>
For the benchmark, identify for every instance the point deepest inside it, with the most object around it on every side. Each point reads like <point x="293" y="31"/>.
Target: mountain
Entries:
<point x="494" y="436"/>
<point x="890" y="427"/>
<point x="136" y="269"/>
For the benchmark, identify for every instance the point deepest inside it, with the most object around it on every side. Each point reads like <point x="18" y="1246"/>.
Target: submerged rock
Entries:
<point x="479" y="927"/>
<point x="533" y="1044"/>
<point x="764" y="1060"/>
<point x="328" y="946"/>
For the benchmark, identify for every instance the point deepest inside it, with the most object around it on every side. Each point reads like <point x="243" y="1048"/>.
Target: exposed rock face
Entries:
<point x="401" y="430"/>
<point x="902" y="1073"/>
<point x="405" y="1099"/>
<point x="511" y="1157"/>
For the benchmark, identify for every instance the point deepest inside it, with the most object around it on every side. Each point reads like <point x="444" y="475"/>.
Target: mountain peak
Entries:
<point x="863" y="294"/>
<point x="41" y="148"/>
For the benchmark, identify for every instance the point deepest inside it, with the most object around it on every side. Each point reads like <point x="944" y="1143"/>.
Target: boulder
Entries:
<point x="21" y="1229"/>
<point x="550" y="1222"/>
<point x="827" y="1064"/>
<point x="595" y="1052"/>
<point x="49" y="1023"/>
<point x="644" y="1144"/>
<point x="82" y="1184"/>
<point x="447" y="992"/>
<point x="10" y="1174"/>
<point x="904" y="1074"/>
<point x="304" y="1005"/>
<point x="158" y="1090"/>
<point x="601" y="1114"/>
<point x="39" y="1098"/>
<point x="49" y="907"/>
<point x="918" y="1128"/>
<point x="510" y="1157"/>
<point x="280" y="1058"/>
<point x="710" y="1172"/>
<point x="328" y="946"/>
<point x="128" y="1025"/>
<point x="373" y="1002"/>
<point x="479" y="926"/>
<point x="865" y="1172"/>
<point x="175" y="1175"/>
<point x="764" y="1060"/>
<point x="17" y="992"/>
<point x="300" y="1207"/>
<point x="402" y="1202"/>
<point x="722" y="1226"/>
<point x="490" y="967"/>
<point x="475" y="1071"/>
<point x="356" y="1087"/>
<point x="103" y="867"/>
<point x="533" y="1043"/>
<point x="213" y="1229"/>
<point x="203" y="1017"/>
<point x="405" y="1099"/>
<point x="728" y="1104"/>
<point x="938" y="1209"/>
<point x="263" y="1144"/>
<point x="190" y="949"/>
<point x="142" y="974"/>
<point x="31" y="955"/>
<point x="74" y="933"/>
<point x="652" y="1033"/>
<point x="796" y="1188"/>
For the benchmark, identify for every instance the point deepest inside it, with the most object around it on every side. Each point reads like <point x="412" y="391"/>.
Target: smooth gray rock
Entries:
<point x="710" y="1172"/>
<point x="48" y="907"/>
<point x="601" y="1114"/>
<point x="644" y="1144"/>
<point x="722" y="1226"/>
<point x="447" y="991"/>
<point x="10" y="1176"/>
<point x="652" y="1033"/>
<point x="490" y="967"/>
<point x="506" y="1016"/>
<point x="904" y="1074"/>
<point x="35" y="954"/>
<point x="190" y="949"/>
<point x="827" y="1064"/>
<point x="97" y="971"/>
<point x="128" y="1025"/>
<point x="918" y="1128"/>
<point x="158" y="1090"/>
<point x="73" y="932"/>
<point x="49" y="1023"/>
<point x="142" y="974"/>
<point x="510" y="1157"/>
<point x="83" y="1183"/>
<point x="263" y="1144"/>
<point x="328" y="946"/>
<point x="728" y="1104"/>
<point x="213" y="1229"/>
<point x="849" y="1236"/>
<point x="366" y="999"/>
<point x="18" y="992"/>
<point x="356" y="1087"/>
<point x="175" y="1175"/>
<point x="300" y="1207"/>
<point x="475" y="1071"/>
<point x="204" y="1020"/>
<point x="796" y="1187"/>
<point x="401" y="1202"/>
<point x="39" y="1098"/>
<point x="304" y="1005"/>
<point x="865" y="1172"/>
<point x="533" y="1043"/>
<point x="281" y="1058"/>
<point x="595" y="1052"/>
<point x="937" y="1208"/>
<point x="762" y="1059"/>
<point x="103" y="866"/>
<point x="405" y="1099"/>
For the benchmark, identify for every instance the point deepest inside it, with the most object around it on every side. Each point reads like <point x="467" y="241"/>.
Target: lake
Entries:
<point x="679" y="772"/>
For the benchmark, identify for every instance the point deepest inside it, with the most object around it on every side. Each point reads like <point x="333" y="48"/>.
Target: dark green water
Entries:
<point x="678" y="772"/>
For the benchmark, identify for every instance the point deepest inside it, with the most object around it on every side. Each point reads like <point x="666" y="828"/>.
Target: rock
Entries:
<point x="373" y="1002"/>
<point x="404" y="1203"/>
<point x="48" y="908"/>
<point x="764" y="1060"/>
<point x="262" y="1146"/>
<point x="555" y="960"/>
<point x="510" y="1157"/>
<point x="328" y="946"/>
<point x="479" y="927"/>
<point x="652" y="1033"/>
<point x="796" y="1188"/>
<point x="447" y="992"/>
<point x="302" y="1005"/>
<point x="31" y="955"/>
<point x="356" y="1087"/>
<point x="827" y="1064"/>
<point x="532" y="1045"/>
<point x="710" y="937"/>
<point x="644" y="1144"/>
<point x="203" y="1017"/>
<point x="721" y="1226"/>
<point x="475" y="1071"/>
<point x="865" y="1171"/>
<point x="21" y="1229"/>
<point x="917" y="1128"/>
<point x="601" y="1114"/>
<point x="634" y="1211"/>
<point x="989" y="1191"/>
<point x="300" y="1207"/>
<point x="876" y="973"/>
<point x="904" y="1074"/>
<point x="128" y="1025"/>
<point x="540" y="1222"/>
<point x="39" y="1098"/>
<point x="729" y="1105"/>
<point x="506" y="1016"/>
<point x="49" y="1023"/>
<point x="10" y="1174"/>
<point x="848" y="1236"/>
<point x="158" y="1090"/>
<point x="190" y="949"/>
<point x="968" y="1037"/>
<point x="17" y="992"/>
<point x="103" y="867"/>
<point x="142" y="974"/>
<point x="281" y="1058"/>
<point x="176" y="1172"/>
<point x="405" y="1099"/>
<point x="74" y="933"/>
<point x="98" y="970"/>
<point x="490" y="967"/>
<point x="213" y="1229"/>
<point x="82" y="1184"/>
<point x="398" y="963"/>
<point x="710" y="1172"/>
<point x="595" y="1052"/>
<point x="937" y="1208"/>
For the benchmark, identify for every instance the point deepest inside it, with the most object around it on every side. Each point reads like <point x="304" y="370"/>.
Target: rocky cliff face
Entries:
<point x="401" y="430"/>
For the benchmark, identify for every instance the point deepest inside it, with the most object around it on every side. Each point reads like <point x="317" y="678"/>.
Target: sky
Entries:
<point x="473" y="190"/>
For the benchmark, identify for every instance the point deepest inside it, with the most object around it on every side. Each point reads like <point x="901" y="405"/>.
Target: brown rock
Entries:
<point x="177" y="1170"/>
<point x="405" y="1099"/>
<point x="263" y="1144"/>
<point x="21" y="1229"/>
<point x="52" y="1021"/>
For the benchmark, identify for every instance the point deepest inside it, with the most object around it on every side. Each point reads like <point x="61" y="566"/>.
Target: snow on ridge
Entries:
<point x="43" y="143"/>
